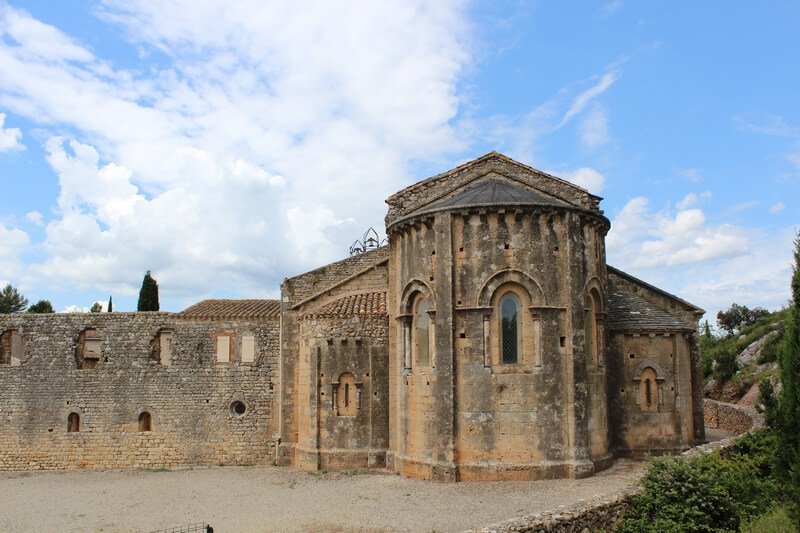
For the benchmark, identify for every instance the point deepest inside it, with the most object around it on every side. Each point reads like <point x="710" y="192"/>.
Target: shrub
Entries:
<point x="774" y="521"/>
<point x="707" y="493"/>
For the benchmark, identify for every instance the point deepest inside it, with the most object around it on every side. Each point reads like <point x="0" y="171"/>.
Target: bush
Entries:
<point x="707" y="493"/>
<point x="774" y="521"/>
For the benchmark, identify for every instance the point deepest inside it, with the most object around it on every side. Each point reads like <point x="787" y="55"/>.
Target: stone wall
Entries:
<point x="734" y="418"/>
<point x="599" y="514"/>
<point x="327" y="332"/>
<point x="189" y="398"/>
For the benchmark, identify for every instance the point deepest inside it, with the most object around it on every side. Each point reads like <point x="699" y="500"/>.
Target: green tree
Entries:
<point x="110" y="305"/>
<point x="96" y="307"/>
<point x="788" y="420"/>
<point x="11" y="301"/>
<point x="738" y="316"/>
<point x="148" y="295"/>
<point x="42" y="306"/>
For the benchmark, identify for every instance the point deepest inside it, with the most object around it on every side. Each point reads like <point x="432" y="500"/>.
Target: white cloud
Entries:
<point x="583" y="99"/>
<point x="10" y="138"/>
<point x="518" y="136"/>
<point x="692" y="174"/>
<point x="593" y="130"/>
<point x="692" y="199"/>
<point x="777" y="207"/>
<point x="773" y="125"/>
<point x="35" y="218"/>
<point x="586" y="177"/>
<point x="258" y="142"/>
<point x="15" y="242"/>
<point x="648" y="239"/>
<point x="611" y="7"/>
<point x="711" y="266"/>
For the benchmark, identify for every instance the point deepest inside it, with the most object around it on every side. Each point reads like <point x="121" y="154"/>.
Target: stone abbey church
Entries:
<point x="488" y="340"/>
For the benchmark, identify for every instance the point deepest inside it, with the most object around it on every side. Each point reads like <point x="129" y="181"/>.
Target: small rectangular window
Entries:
<point x="248" y="349"/>
<point x="165" y="342"/>
<point x="223" y="349"/>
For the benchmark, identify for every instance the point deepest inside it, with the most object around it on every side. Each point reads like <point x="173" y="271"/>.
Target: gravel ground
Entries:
<point x="241" y="499"/>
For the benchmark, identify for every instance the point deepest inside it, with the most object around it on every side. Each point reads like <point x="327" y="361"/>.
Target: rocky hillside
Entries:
<point x="735" y="363"/>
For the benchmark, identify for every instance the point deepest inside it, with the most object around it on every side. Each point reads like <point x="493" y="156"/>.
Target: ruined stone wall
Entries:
<point x="190" y="402"/>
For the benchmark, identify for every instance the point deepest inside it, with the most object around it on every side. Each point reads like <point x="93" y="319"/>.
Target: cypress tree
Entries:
<point x="148" y="295"/>
<point x="110" y="305"/>
<point x="789" y="405"/>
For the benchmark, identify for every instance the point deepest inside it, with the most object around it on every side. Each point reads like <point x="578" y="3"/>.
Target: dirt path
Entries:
<point x="241" y="499"/>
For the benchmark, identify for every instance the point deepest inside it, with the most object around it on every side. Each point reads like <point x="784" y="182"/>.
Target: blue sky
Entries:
<point x="225" y="146"/>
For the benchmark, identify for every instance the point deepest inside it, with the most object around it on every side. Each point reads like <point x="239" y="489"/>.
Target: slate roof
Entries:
<point x="628" y="312"/>
<point x="233" y="309"/>
<point x="492" y="192"/>
<point x="371" y="303"/>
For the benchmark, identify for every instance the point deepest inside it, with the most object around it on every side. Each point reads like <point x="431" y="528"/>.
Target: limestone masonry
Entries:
<point x="487" y="340"/>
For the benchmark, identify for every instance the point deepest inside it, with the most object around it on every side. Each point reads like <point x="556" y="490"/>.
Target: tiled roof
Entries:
<point x="492" y="192"/>
<point x="233" y="309"/>
<point x="628" y="312"/>
<point x="371" y="303"/>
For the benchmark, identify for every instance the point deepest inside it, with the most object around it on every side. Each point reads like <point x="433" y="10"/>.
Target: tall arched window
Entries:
<point x="509" y="328"/>
<point x="648" y="390"/>
<point x="346" y="395"/>
<point x="421" y="333"/>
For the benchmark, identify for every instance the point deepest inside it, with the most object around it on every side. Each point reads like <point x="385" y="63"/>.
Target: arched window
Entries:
<point x="590" y="329"/>
<point x="421" y="332"/>
<point x="145" y="422"/>
<point x="346" y="396"/>
<point x="509" y="329"/>
<point x="648" y="390"/>
<point x="73" y="423"/>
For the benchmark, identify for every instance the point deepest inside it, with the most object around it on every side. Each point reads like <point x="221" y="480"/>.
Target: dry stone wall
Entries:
<point x="734" y="418"/>
<point x="190" y="402"/>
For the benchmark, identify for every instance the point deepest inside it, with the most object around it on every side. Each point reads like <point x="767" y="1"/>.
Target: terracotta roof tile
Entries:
<point x="233" y="309"/>
<point x="628" y="312"/>
<point x="371" y="303"/>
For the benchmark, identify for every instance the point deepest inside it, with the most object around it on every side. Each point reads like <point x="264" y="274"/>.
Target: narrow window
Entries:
<point x="592" y="337"/>
<point x="73" y="423"/>
<point x="421" y="333"/>
<point x="162" y="348"/>
<point x="223" y="349"/>
<point x="343" y="397"/>
<point x="11" y="351"/>
<point x="648" y="388"/>
<point x="509" y="327"/>
<point x="145" y="422"/>
<point x="248" y="349"/>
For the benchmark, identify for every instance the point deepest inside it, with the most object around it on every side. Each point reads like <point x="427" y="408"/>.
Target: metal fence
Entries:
<point x="189" y="528"/>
